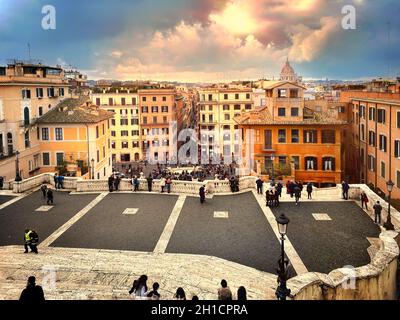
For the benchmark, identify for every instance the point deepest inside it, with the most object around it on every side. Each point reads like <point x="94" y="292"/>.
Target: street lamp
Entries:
<point x="17" y="175"/>
<point x="282" y="291"/>
<point x="92" y="162"/>
<point x="273" y="173"/>
<point x="388" y="225"/>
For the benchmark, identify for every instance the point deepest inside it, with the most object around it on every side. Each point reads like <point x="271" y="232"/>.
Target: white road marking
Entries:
<point x="221" y="214"/>
<point x="169" y="227"/>
<point x="321" y="217"/>
<point x="44" y="208"/>
<point x="290" y="251"/>
<point x="130" y="211"/>
<point x="56" y="234"/>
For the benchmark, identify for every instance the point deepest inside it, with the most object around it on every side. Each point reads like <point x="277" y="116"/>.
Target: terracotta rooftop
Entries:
<point x="264" y="117"/>
<point x="75" y="111"/>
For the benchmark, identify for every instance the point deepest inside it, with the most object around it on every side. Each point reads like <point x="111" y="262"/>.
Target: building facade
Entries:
<point x="283" y="136"/>
<point x="75" y="139"/>
<point x="27" y="92"/>
<point x="125" y="125"/>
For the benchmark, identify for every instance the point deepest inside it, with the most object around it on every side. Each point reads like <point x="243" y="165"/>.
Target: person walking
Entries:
<point x="345" y="190"/>
<point x="291" y="188"/>
<point x="202" y="193"/>
<point x="309" y="190"/>
<point x="27" y="240"/>
<point x="139" y="287"/>
<point x="364" y="200"/>
<point x="224" y="293"/>
<point x="43" y="188"/>
<point x="50" y="196"/>
<point x="60" y="182"/>
<point x="149" y="182"/>
<point x="259" y="184"/>
<point x="32" y="293"/>
<point x="297" y="194"/>
<point x="279" y="188"/>
<point x="378" y="212"/>
<point x="55" y="180"/>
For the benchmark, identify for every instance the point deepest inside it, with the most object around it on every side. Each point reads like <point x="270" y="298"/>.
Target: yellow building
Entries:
<point x="75" y="137"/>
<point x="218" y="107"/>
<point x="125" y="126"/>
<point x="27" y="91"/>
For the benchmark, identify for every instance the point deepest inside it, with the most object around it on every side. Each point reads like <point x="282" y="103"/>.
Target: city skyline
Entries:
<point x="202" y="41"/>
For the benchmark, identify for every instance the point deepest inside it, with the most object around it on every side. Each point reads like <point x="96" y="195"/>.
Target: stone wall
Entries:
<point x="375" y="281"/>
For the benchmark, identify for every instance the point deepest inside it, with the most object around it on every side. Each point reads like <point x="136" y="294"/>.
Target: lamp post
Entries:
<point x="17" y="175"/>
<point x="282" y="291"/>
<point x="273" y="172"/>
<point x="388" y="225"/>
<point x="92" y="163"/>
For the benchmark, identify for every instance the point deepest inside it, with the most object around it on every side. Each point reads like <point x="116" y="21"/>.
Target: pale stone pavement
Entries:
<point x="83" y="274"/>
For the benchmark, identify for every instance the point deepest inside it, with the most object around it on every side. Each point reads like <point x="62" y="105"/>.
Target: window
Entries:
<point x="46" y="158"/>
<point x="39" y="93"/>
<point x="144" y="120"/>
<point x="134" y="121"/>
<point x="268" y="139"/>
<point x="210" y="108"/>
<point x="247" y="95"/>
<point x="398" y="119"/>
<point x="59" y="134"/>
<point x="135" y="132"/>
<point x="26" y="94"/>
<point x="60" y="158"/>
<point x="371" y="138"/>
<point x="144" y="99"/>
<point x="97" y="155"/>
<point x="27" y="143"/>
<point x="294" y="112"/>
<point x="123" y="101"/>
<point x="281" y="93"/>
<point x="210" y="118"/>
<point x="124" y="133"/>
<point x="281" y="136"/>
<point x="282" y="161"/>
<point x="236" y="96"/>
<point x="165" y="120"/>
<point x="371" y="114"/>
<point x="164" y="109"/>
<point x="382" y="116"/>
<point x="124" y="122"/>
<point x="154" y="99"/>
<point x="112" y="144"/>
<point x="61" y="92"/>
<point x="226" y="107"/>
<point x="296" y="161"/>
<point x="226" y="116"/>
<point x="371" y="163"/>
<point x="362" y="112"/>
<point x="135" y="144"/>
<point x="103" y="129"/>
<point x="134" y="101"/>
<point x="281" y="112"/>
<point x="40" y="111"/>
<point x="382" y="143"/>
<point x="328" y="136"/>
<point x="50" y="92"/>
<point x="98" y="101"/>
<point x="154" y="109"/>
<point x="247" y="106"/>
<point x="113" y="122"/>
<point x="145" y="109"/>
<point x="362" y="129"/>
<point x="383" y="169"/>
<point x="97" y="131"/>
<point x="236" y="107"/>
<point x="294" y="93"/>
<point x="154" y="119"/>
<point x="210" y="97"/>
<point x="311" y="163"/>
<point x="124" y="145"/>
<point x="342" y="109"/>
<point x="26" y="116"/>
<point x="164" y="98"/>
<point x="328" y="164"/>
<point x="397" y="148"/>
<point x="310" y="136"/>
<point x="295" y="136"/>
<point x="225" y="97"/>
<point x="45" y="134"/>
<point x="113" y="134"/>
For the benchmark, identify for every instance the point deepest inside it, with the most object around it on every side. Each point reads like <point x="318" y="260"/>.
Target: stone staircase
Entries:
<point x="85" y="274"/>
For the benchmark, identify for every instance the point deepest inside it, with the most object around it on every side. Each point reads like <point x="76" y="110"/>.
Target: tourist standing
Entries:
<point x="364" y="200"/>
<point x="32" y="293"/>
<point x="202" y="193"/>
<point x="139" y="287"/>
<point x="117" y="181"/>
<point x="149" y="183"/>
<point x="153" y="294"/>
<point x="168" y="183"/>
<point x="345" y="190"/>
<point x="180" y="294"/>
<point x="55" y="180"/>
<point x="111" y="183"/>
<point x="259" y="184"/>
<point x="135" y="183"/>
<point x="50" y="196"/>
<point x="162" y="184"/>
<point x="43" y="188"/>
<point x="242" y="294"/>
<point x="309" y="190"/>
<point x="378" y="212"/>
<point x="297" y="194"/>
<point x="279" y="188"/>
<point x="224" y="293"/>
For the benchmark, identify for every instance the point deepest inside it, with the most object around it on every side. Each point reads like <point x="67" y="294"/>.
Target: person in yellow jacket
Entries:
<point x="27" y="239"/>
<point x="31" y="239"/>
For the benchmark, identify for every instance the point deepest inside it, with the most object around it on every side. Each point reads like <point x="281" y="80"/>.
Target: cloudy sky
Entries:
<point x="206" y="40"/>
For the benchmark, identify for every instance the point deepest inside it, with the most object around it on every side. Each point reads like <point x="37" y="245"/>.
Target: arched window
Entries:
<point x="26" y="116"/>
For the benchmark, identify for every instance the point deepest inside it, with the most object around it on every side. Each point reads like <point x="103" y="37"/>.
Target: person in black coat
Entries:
<point x="309" y="190"/>
<point x="150" y="183"/>
<point x="259" y="183"/>
<point x="110" y="183"/>
<point x="32" y="293"/>
<point x="116" y="183"/>
<point x="50" y="197"/>
<point x="202" y="193"/>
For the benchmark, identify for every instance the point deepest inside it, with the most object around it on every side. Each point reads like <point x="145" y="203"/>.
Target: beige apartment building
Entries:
<point x="219" y="133"/>
<point x="125" y="125"/>
<point x="27" y="92"/>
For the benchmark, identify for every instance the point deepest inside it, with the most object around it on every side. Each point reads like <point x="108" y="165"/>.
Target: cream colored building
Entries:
<point x="27" y="91"/>
<point x="217" y="109"/>
<point x="125" y="125"/>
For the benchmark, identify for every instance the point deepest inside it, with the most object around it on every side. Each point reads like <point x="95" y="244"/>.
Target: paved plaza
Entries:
<point x="236" y="232"/>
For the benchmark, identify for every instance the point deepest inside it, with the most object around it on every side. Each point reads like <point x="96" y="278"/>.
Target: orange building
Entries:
<point x="282" y="135"/>
<point x="75" y="136"/>
<point x="157" y="111"/>
<point x="373" y="139"/>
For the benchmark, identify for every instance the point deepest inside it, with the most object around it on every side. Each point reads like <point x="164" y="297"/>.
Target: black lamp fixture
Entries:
<point x="282" y="292"/>
<point x="92" y="162"/>
<point x="388" y="225"/>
